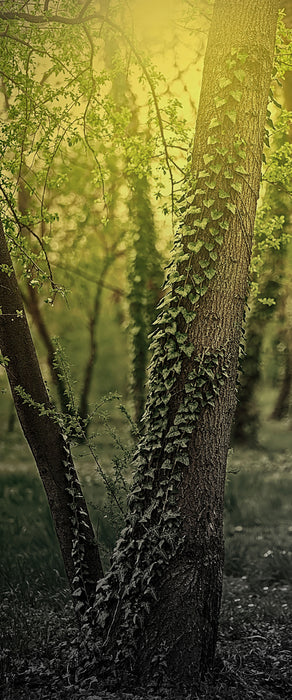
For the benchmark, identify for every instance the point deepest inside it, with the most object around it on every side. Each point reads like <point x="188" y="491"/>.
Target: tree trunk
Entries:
<point x="145" y="280"/>
<point x="92" y="356"/>
<point x="47" y="442"/>
<point x="166" y="576"/>
<point x="281" y="407"/>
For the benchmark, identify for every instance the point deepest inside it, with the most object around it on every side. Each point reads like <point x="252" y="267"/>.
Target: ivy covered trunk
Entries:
<point x="48" y="443"/>
<point x="158" y="607"/>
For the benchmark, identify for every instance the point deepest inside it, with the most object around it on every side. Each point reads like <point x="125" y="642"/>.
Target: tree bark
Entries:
<point x="166" y="576"/>
<point x="47" y="442"/>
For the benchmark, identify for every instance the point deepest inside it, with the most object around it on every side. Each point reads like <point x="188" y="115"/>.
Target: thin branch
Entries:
<point x="34" y="234"/>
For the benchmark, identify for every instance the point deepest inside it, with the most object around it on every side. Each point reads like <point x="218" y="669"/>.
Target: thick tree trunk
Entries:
<point x="48" y="445"/>
<point x="186" y="619"/>
<point x="166" y="576"/>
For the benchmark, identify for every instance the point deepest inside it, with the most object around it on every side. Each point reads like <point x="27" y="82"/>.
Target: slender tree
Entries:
<point x="48" y="442"/>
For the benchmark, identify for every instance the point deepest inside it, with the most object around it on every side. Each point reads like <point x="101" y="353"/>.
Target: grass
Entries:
<point x="37" y="621"/>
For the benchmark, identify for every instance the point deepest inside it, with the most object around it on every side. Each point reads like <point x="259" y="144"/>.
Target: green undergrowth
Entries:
<point x="37" y="623"/>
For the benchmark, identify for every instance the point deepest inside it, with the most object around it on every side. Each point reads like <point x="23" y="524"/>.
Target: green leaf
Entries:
<point x="207" y="158"/>
<point x="219" y="239"/>
<point x="228" y="175"/>
<point x="198" y="279"/>
<point x="211" y="184"/>
<point x="219" y="101"/>
<point x="208" y="202"/>
<point x="224" y="82"/>
<point x="239" y="74"/>
<point x="222" y="150"/>
<point x="214" y="123"/>
<point x="216" y="167"/>
<point x="237" y="186"/>
<point x="236" y="94"/>
<point x="204" y="263"/>
<point x="203" y="173"/>
<point x="189" y="316"/>
<point x="215" y="214"/>
<point x="188" y="350"/>
<point x="201" y="223"/>
<point x="240" y="169"/>
<point x="210" y="273"/>
<point x="231" y="114"/>
<point x="213" y="255"/>
<point x="195" y="247"/>
<point x="223" y="195"/>
<point x="209" y="245"/>
<point x="212" y="140"/>
<point x="231" y="207"/>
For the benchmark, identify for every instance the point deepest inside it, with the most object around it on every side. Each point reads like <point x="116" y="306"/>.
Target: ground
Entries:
<point x="38" y="629"/>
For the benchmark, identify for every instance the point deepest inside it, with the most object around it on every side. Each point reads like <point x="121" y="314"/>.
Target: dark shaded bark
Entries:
<point x="145" y="281"/>
<point x="281" y="407"/>
<point x="46" y="440"/>
<point x="92" y="356"/>
<point x="192" y="399"/>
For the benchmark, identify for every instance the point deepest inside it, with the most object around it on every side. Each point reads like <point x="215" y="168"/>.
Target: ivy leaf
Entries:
<point x="213" y="255"/>
<point x="223" y="195"/>
<point x="212" y="140"/>
<point x="195" y="247"/>
<point x="203" y="173"/>
<point x="224" y="82"/>
<point x="236" y="94"/>
<point x="189" y="316"/>
<point x="188" y="350"/>
<point x="231" y="114"/>
<point x="207" y="158"/>
<point x="239" y="74"/>
<point x="211" y="184"/>
<point x="210" y="273"/>
<point x="198" y="279"/>
<point x="240" y="169"/>
<point x="222" y="150"/>
<point x="216" y="167"/>
<point x="220" y="101"/>
<point x="208" y="202"/>
<point x="215" y="214"/>
<point x="237" y="186"/>
<point x="214" y="123"/>
<point x="201" y="223"/>
<point x="231" y="207"/>
<point x="219" y="239"/>
<point x="209" y="245"/>
<point x="204" y="263"/>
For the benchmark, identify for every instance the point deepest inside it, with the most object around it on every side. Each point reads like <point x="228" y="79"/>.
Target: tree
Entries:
<point x="159" y="604"/>
<point x="166" y="575"/>
<point x="48" y="442"/>
<point x="271" y="268"/>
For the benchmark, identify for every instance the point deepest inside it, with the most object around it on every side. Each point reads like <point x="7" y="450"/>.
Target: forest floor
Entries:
<point x="37" y="625"/>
